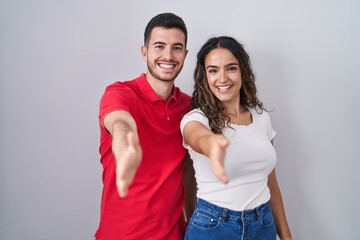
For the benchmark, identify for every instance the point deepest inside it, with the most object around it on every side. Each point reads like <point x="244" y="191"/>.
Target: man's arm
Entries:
<point x="189" y="183"/>
<point x="125" y="147"/>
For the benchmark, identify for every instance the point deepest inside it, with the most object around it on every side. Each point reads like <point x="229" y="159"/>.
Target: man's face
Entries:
<point x="165" y="53"/>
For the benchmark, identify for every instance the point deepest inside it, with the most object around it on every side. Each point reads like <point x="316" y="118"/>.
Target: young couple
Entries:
<point x="148" y="127"/>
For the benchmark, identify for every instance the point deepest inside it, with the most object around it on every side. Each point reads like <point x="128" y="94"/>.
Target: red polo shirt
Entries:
<point x="153" y="207"/>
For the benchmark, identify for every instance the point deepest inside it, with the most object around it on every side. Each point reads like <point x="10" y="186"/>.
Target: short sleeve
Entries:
<point x="116" y="97"/>
<point x="194" y="115"/>
<point x="270" y="131"/>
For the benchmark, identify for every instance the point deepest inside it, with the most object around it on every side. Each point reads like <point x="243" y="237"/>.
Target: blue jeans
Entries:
<point x="210" y="221"/>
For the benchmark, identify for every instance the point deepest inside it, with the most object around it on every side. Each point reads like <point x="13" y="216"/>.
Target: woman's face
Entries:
<point x="223" y="75"/>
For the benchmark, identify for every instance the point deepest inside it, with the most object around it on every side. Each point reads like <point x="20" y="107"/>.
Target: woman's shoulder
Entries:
<point x="195" y="112"/>
<point x="259" y="115"/>
<point x="258" y="112"/>
<point x="196" y="115"/>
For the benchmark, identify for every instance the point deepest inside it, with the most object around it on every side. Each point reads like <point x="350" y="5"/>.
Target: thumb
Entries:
<point x="122" y="188"/>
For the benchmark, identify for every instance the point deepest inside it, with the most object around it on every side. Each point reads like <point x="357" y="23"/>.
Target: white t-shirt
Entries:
<point x="249" y="160"/>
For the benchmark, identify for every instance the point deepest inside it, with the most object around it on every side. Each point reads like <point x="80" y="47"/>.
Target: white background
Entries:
<point x="57" y="57"/>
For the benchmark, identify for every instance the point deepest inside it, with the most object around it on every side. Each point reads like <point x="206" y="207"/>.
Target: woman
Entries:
<point x="229" y="137"/>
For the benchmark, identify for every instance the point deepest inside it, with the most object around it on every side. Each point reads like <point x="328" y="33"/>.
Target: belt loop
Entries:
<point x="258" y="212"/>
<point x="224" y="214"/>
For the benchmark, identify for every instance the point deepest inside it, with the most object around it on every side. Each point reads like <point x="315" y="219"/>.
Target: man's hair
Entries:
<point x="167" y="20"/>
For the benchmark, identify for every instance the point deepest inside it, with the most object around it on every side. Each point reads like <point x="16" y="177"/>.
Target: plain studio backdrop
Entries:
<point x="57" y="57"/>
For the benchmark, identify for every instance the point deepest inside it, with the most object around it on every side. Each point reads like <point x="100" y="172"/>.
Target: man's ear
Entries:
<point x="144" y="53"/>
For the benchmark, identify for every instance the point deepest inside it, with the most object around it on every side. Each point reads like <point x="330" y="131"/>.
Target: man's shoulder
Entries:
<point x="185" y="96"/>
<point x="182" y="95"/>
<point x="122" y="84"/>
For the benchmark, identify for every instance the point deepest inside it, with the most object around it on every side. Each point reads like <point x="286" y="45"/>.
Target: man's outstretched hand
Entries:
<point x="127" y="162"/>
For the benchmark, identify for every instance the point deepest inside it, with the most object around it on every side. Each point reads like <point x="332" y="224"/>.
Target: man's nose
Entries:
<point x="168" y="54"/>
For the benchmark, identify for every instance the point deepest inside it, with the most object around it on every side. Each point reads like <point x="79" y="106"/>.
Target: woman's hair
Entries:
<point x="204" y="99"/>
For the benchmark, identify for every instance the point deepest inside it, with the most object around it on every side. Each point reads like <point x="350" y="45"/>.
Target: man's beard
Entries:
<point x="171" y="77"/>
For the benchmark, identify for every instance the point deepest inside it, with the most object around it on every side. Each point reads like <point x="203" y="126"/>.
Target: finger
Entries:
<point x="222" y="176"/>
<point x="122" y="188"/>
<point x="219" y="171"/>
<point x="224" y="179"/>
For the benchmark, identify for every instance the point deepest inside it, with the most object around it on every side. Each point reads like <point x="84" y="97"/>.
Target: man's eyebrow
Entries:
<point x="179" y="44"/>
<point x="158" y="43"/>
<point x="175" y="44"/>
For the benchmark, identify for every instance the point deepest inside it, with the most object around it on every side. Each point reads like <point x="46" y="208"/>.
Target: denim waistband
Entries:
<point x="227" y="214"/>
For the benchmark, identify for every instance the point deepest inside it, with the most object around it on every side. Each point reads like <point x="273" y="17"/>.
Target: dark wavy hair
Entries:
<point x="204" y="99"/>
<point x="167" y="20"/>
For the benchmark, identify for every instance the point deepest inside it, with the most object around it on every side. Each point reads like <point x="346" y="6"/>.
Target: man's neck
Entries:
<point x="162" y="88"/>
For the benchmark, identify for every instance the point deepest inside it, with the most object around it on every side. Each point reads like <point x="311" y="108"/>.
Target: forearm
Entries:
<point x="282" y="226"/>
<point x="119" y="131"/>
<point x="278" y="209"/>
<point x="125" y="147"/>
<point x="197" y="136"/>
<point x="211" y="145"/>
<point x="205" y="142"/>
<point x="119" y="124"/>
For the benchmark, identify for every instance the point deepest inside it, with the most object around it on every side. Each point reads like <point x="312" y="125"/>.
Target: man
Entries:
<point x="141" y="144"/>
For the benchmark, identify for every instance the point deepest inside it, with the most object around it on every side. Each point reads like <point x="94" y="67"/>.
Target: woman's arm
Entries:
<point x="203" y="141"/>
<point x="277" y="207"/>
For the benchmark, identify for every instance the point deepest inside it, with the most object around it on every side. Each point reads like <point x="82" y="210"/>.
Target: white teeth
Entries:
<point x="167" y="66"/>
<point x="223" y="87"/>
